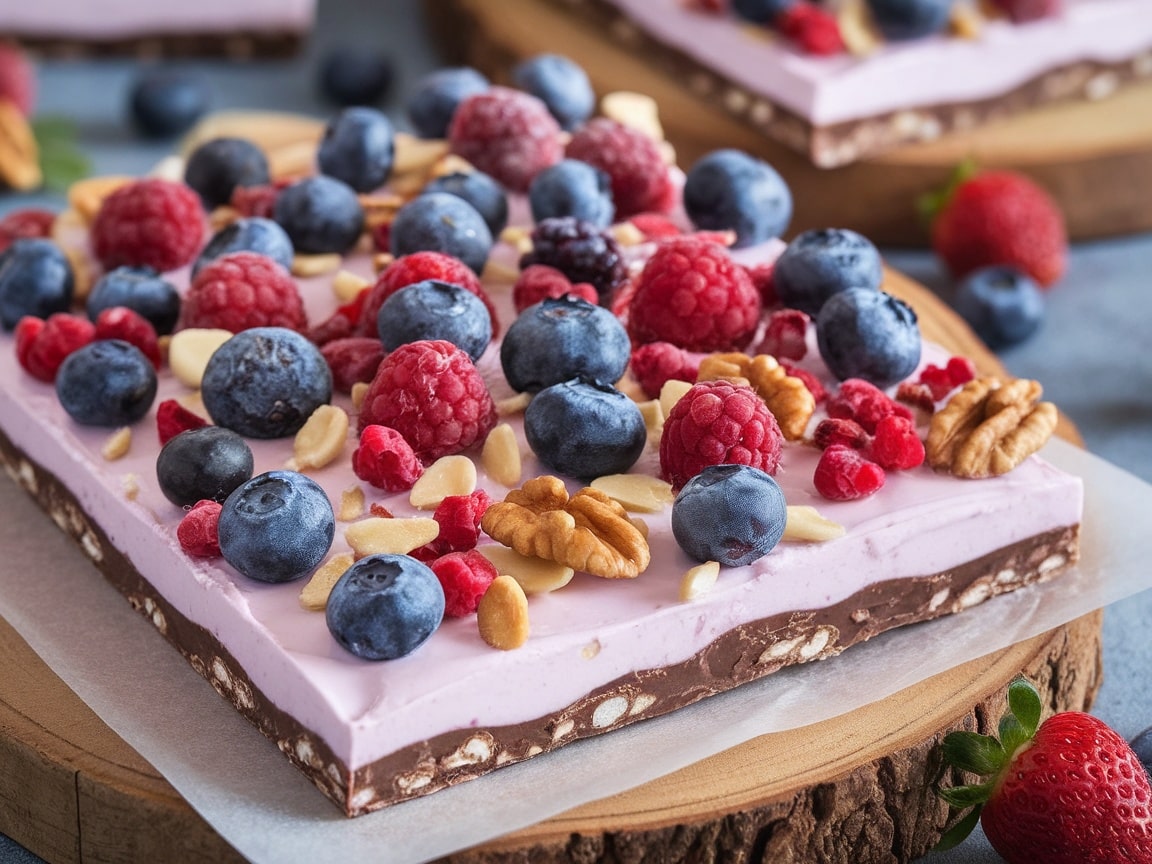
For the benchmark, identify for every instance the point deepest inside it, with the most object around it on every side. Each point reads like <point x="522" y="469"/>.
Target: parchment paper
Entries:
<point x="249" y="793"/>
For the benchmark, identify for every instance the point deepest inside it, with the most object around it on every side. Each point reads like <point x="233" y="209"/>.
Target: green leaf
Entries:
<point x="970" y="751"/>
<point x="963" y="797"/>
<point x="61" y="161"/>
<point x="930" y="204"/>
<point x="1012" y="734"/>
<point x="53" y="128"/>
<point x="1024" y="702"/>
<point x="954" y="835"/>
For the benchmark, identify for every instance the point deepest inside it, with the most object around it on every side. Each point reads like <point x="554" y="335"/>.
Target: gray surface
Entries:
<point x="1092" y="353"/>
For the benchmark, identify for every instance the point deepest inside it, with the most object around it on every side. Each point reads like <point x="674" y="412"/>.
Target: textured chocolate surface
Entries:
<point x="240" y="45"/>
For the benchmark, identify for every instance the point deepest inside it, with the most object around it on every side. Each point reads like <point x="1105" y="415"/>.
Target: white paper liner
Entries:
<point x="259" y="803"/>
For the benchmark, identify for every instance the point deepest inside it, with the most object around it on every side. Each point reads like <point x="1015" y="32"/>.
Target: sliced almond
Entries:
<point x="346" y="285"/>
<point x="671" y="393"/>
<point x="170" y="168"/>
<point x="805" y="524"/>
<point x="314" y="595"/>
<point x="502" y="615"/>
<point x="498" y="271"/>
<point x="351" y="504"/>
<point x="291" y="160"/>
<point x="513" y="405"/>
<point x="376" y="535"/>
<point x="517" y="236"/>
<point x="653" y="413"/>
<point x="448" y="475"/>
<point x="417" y="154"/>
<point x="359" y="391"/>
<point x="268" y="130"/>
<point x="635" y="110"/>
<point x="627" y="234"/>
<point x="535" y="575"/>
<point x="190" y="350"/>
<point x="699" y="580"/>
<point x="639" y="493"/>
<point x="501" y="456"/>
<point x="316" y="265"/>
<point x="321" y="438"/>
<point x="117" y="445"/>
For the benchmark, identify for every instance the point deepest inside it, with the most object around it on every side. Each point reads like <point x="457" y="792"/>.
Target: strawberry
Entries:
<point x="1001" y="217"/>
<point x="1069" y="790"/>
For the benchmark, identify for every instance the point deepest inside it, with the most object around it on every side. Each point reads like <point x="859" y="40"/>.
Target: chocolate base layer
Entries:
<point x="833" y="145"/>
<point x="746" y="653"/>
<point x="241" y="45"/>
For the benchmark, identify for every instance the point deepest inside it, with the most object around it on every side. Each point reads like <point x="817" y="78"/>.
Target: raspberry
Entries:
<point x="21" y="224"/>
<point x="692" y="294"/>
<point x="172" y="418"/>
<point x="961" y="369"/>
<point x="896" y="446"/>
<point x="656" y="363"/>
<point x="241" y="291"/>
<point x="937" y="380"/>
<point x="810" y="381"/>
<point x="630" y="158"/>
<point x="41" y="346"/>
<point x="507" y="134"/>
<point x="459" y="519"/>
<point x="917" y="395"/>
<point x="255" y="200"/>
<point x="784" y="337"/>
<point x="464" y="576"/>
<point x="848" y="433"/>
<point x="540" y="281"/>
<point x="151" y="222"/>
<point x="813" y="29"/>
<point x="579" y="250"/>
<point x="761" y="275"/>
<point x="717" y="423"/>
<point x="17" y="78"/>
<point x="342" y="323"/>
<point x="655" y="226"/>
<point x="120" y="322"/>
<point x="197" y="531"/>
<point x="430" y="393"/>
<point x="417" y="267"/>
<point x="842" y="474"/>
<point x="353" y="360"/>
<point x="865" y="403"/>
<point x="385" y="459"/>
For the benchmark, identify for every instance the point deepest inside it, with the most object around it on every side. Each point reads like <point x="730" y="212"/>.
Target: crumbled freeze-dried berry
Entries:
<point x="810" y="381"/>
<point x="539" y="281"/>
<point x="459" y="519"/>
<point x="257" y="201"/>
<point x="353" y="360"/>
<point x="917" y="395"/>
<point x="942" y="380"/>
<point x="848" y="433"/>
<point x="865" y="403"/>
<point x="464" y="576"/>
<point x="120" y="322"/>
<point x="172" y="418"/>
<point x="842" y="474"/>
<point x="385" y="460"/>
<point x="41" y="346"/>
<point x="197" y="531"/>
<point x="784" y="335"/>
<point x="342" y="323"/>
<point x="896" y="446"/>
<point x="657" y="363"/>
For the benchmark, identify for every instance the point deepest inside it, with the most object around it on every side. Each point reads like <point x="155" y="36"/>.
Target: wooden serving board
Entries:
<point x="1092" y="157"/>
<point x="857" y="788"/>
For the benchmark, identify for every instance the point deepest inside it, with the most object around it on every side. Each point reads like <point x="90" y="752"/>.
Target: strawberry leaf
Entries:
<point x="970" y="751"/>
<point x="931" y="204"/>
<point x="61" y="161"/>
<point x="1024" y="702"/>
<point x="1013" y="734"/>
<point x="954" y="835"/>
<point x="963" y="797"/>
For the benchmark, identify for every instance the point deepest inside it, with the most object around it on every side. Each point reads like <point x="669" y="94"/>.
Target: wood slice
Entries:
<point x="855" y="789"/>
<point x="1092" y="157"/>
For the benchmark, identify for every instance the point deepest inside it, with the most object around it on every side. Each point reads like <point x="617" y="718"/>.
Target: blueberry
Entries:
<point x="562" y="338"/>
<point x="203" y="464"/>
<point x="435" y="310"/>
<point x="276" y="527"/>
<point x="1142" y="746"/>
<point x="251" y="234"/>
<point x="217" y="167"/>
<point x="1003" y="305"/>
<point x="560" y="84"/>
<point x="35" y="279"/>
<point x="167" y="102"/>
<point x="355" y="75"/>
<point x="385" y="606"/>
<point x="106" y="383"/>
<point x="320" y="214"/>
<point x="479" y="190"/>
<point x="358" y="148"/>
<point x="761" y="11"/>
<point x="910" y="19"/>
<point x="439" y="222"/>
<point x="572" y="188"/>
<point x="823" y="262"/>
<point x="265" y="382"/>
<point x="431" y="105"/>
<point x="868" y="334"/>
<point x="141" y="289"/>
<point x="583" y="429"/>
<point x="733" y="514"/>
<point x="730" y="190"/>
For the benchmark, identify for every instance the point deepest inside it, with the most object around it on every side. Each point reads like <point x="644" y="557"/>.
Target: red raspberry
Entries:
<point x="410" y="269"/>
<point x="382" y="237"/>
<point x="655" y="226"/>
<point x="243" y="290"/>
<point x="842" y="474"/>
<point x="507" y="134"/>
<point x="151" y="222"/>
<point x="718" y="423"/>
<point x="378" y="509"/>
<point x="385" y="459"/>
<point x="464" y="576"/>
<point x="17" y="78"/>
<point x="692" y="294"/>
<point x="766" y="286"/>
<point x="538" y="281"/>
<point x="172" y="418"/>
<point x="961" y="369"/>
<point x="784" y="337"/>
<point x="656" y="363"/>
<point x="197" y="531"/>
<point x="865" y="403"/>
<point x="896" y="446"/>
<point x="353" y="360"/>
<point x="342" y="323"/>
<point x="639" y="175"/>
<point x="22" y="224"/>
<point x="937" y="380"/>
<point x="459" y="519"/>
<point x="120" y="322"/>
<point x="254" y="200"/>
<point x="917" y="395"/>
<point x="430" y="393"/>
<point x="810" y="381"/>
<point x="848" y="433"/>
<point x="41" y="346"/>
<point x="813" y="29"/>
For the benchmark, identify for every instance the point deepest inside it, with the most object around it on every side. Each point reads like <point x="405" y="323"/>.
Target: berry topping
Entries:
<point x="217" y="167"/>
<point x="141" y="289"/>
<point x="896" y="446"/>
<point x="435" y="310"/>
<point x="106" y="383"/>
<point x="763" y="277"/>
<point x="320" y="214"/>
<point x="842" y="431"/>
<point x="120" y="322"/>
<point x="820" y="263"/>
<point x="560" y="84"/>
<point x="654" y="364"/>
<point x="655" y="226"/>
<point x="198" y="533"/>
<point x="357" y="148"/>
<point x="910" y="19"/>
<point x="733" y="514"/>
<point x="572" y="188"/>
<point x="868" y="334"/>
<point x="464" y="576"/>
<point x="1003" y="305"/>
<point x="165" y="102"/>
<point x="241" y="291"/>
<point x="434" y="100"/>
<point x="784" y="336"/>
<point x="692" y="294"/>
<point x="441" y="222"/>
<point x="355" y="75"/>
<point x="459" y="519"/>
<point x="41" y="346"/>
<point x="204" y="463"/>
<point x="730" y="190"/>
<point x="639" y="175"/>
<point x="942" y="380"/>
<point x="479" y="190"/>
<point x="17" y="78"/>
<point x="431" y="394"/>
<point x="255" y="200"/>
<point x="864" y="402"/>
<point x="172" y="418"/>
<point x="539" y="281"/>
<point x="250" y="234"/>
<point x="842" y="474"/>
<point x="718" y="423"/>
<point x="353" y="360"/>
<point x="814" y="29"/>
<point x="1029" y="10"/>
<point x="23" y="224"/>
<point x="418" y="267"/>
<point x="579" y="250"/>
<point x="385" y="460"/>
<point x="148" y="223"/>
<point x="507" y="134"/>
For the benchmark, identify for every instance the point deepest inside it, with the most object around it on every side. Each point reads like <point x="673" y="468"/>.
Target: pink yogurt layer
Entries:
<point x="125" y="19"/>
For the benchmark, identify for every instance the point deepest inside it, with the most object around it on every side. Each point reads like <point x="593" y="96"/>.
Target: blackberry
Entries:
<point x="579" y="250"/>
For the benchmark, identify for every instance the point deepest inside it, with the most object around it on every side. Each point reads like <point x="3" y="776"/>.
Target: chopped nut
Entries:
<point x="627" y="234"/>
<point x="448" y="475"/>
<point x="966" y="20"/>
<point x="381" y="261"/>
<point x="501" y="456"/>
<point x="653" y="414"/>
<point x="517" y="236"/>
<point x="116" y="447"/>
<point x="190" y="350"/>
<point x="86" y="196"/>
<point x="498" y="271"/>
<point x="223" y="216"/>
<point x="805" y="524"/>
<point x="857" y="29"/>
<point x="19" y="155"/>
<point x="699" y="580"/>
<point x="535" y="575"/>
<point x="417" y="154"/>
<point x="513" y="404"/>
<point x="671" y="393"/>
<point x="786" y="396"/>
<point x="359" y="391"/>
<point x="316" y="265"/>
<point x="376" y="535"/>
<point x="130" y="486"/>
<point x="346" y="285"/>
<point x="83" y="272"/>
<point x="639" y="493"/>
<point x="314" y="595"/>
<point x="635" y="110"/>
<point x="321" y="438"/>
<point x="291" y="160"/>
<point x="351" y="504"/>
<point x="380" y="208"/>
<point x="502" y="615"/>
